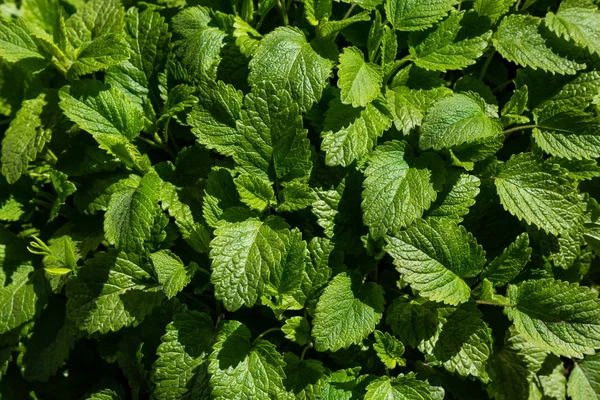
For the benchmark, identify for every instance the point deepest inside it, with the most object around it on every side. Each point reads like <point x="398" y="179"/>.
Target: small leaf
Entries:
<point x="359" y="81"/>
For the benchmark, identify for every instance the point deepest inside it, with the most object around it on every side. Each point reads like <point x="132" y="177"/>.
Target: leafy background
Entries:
<point x="299" y="199"/>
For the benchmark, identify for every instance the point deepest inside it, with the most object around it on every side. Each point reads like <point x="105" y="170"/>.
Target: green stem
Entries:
<point x="264" y="334"/>
<point x="518" y="128"/>
<point x="502" y="86"/>
<point x="204" y="271"/>
<point x="347" y="15"/>
<point x="283" y="11"/>
<point x="517" y="5"/>
<point x="491" y="303"/>
<point x="308" y="346"/>
<point x="486" y="65"/>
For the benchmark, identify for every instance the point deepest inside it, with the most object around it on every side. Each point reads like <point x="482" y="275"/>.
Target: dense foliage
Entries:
<point x="278" y="199"/>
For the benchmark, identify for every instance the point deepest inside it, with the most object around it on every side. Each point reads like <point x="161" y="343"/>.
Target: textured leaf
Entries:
<point x="395" y="192"/>
<point x="567" y="133"/>
<point x="557" y="316"/>
<point x="111" y="291"/>
<point x="518" y="40"/>
<point x="462" y="343"/>
<point x="130" y="214"/>
<point x="435" y="256"/>
<point x="200" y="43"/>
<point x="148" y="39"/>
<point x="416" y="15"/>
<point x="180" y="372"/>
<point x="414" y="321"/>
<point x="255" y="192"/>
<point x="171" y="272"/>
<point x="577" y="21"/>
<point x="304" y="378"/>
<point x="493" y="9"/>
<point x="221" y="199"/>
<point x="26" y="135"/>
<point x="455" y="43"/>
<point x="347" y="312"/>
<point x="244" y="254"/>
<point x="408" y="106"/>
<point x="457" y="120"/>
<point x="297" y="330"/>
<point x="584" y="381"/>
<point x="350" y="133"/>
<point x="504" y="268"/>
<point x="389" y="350"/>
<point x="286" y="59"/>
<point x="63" y="188"/>
<point x="403" y="387"/>
<point x="359" y="81"/>
<point x="538" y="193"/>
<point x="99" y="54"/>
<point x="95" y="19"/>
<point x="23" y="290"/>
<point x="457" y="196"/>
<point x="241" y="370"/>
<point x="16" y="43"/>
<point x="100" y="110"/>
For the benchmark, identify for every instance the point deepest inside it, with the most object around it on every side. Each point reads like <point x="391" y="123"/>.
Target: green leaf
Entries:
<point x="286" y="59"/>
<point x="389" y="350"/>
<point x="414" y="321"/>
<point x="111" y="291"/>
<point x="242" y="370"/>
<point x="576" y="21"/>
<point x="359" y="81"/>
<point x="316" y="10"/>
<point x="148" y="38"/>
<point x="462" y="342"/>
<point x="408" y="106"/>
<point x="95" y="19"/>
<point x="256" y="193"/>
<point x="297" y="330"/>
<point x="200" y="44"/>
<point x="304" y="378"/>
<point x="402" y="387"/>
<point x="26" y="135"/>
<point x="579" y="169"/>
<point x="457" y="196"/>
<point x="416" y="15"/>
<point x="288" y="276"/>
<point x="221" y="199"/>
<point x="180" y="370"/>
<point x="396" y="192"/>
<point x="457" y="120"/>
<point x="244" y="254"/>
<point x="518" y="40"/>
<point x="42" y="13"/>
<point x="23" y="289"/>
<point x="295" y="196"/>
<point x="493" y="9"/>
<point x="350" y="133"/>
<point x="347" y="312"/>
<point x="584" y="380"/>
<point x="130" y="214"/>
<point x="539" y="193"/>
<point x="193" y="230"/>
<point x="435" y="256"/>
<point x="100" y="109"/>
<point x="504" y="268"/>
<point x="106" y="51"/>
<point x="560" y="317"/>
<point x="568" y="133"/>
<point x="170" y="272"/>
<point x="16" y="44"/>
<point x="63" y="188"/>
<point x="455" y="43"/>
<point x="45" y="350"/>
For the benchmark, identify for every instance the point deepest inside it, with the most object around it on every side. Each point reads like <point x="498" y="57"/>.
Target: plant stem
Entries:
<point x="308" y="346"/>
<point x="502" y="86"/>
<point x="349" y="11"/>
<point x="491" y="303"/>
<point x="486" y="64"/>
<point x="518" y="128"/>
<point x="517" y="5"/>
<point x="283" y="11"/>
<point x="264" y="334"/>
